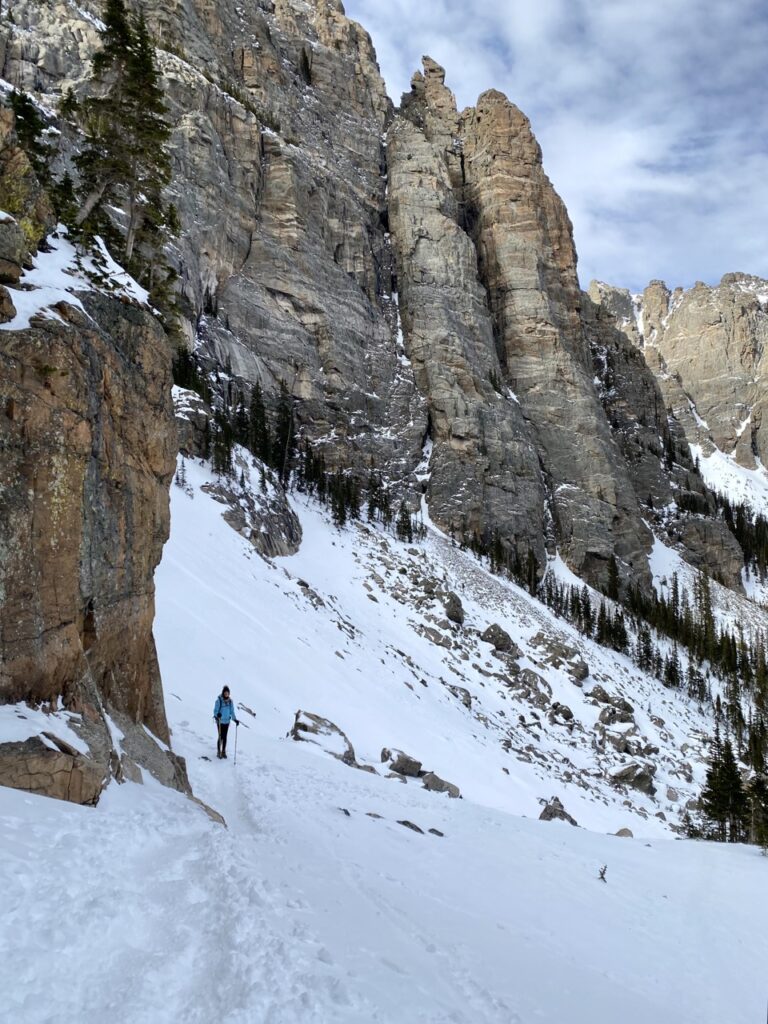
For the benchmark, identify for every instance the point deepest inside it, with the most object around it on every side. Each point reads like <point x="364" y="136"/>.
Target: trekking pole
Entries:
<point x="237" y="730"/>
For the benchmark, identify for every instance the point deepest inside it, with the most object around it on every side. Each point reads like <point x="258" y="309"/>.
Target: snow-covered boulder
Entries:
<point x="315" y="729"/>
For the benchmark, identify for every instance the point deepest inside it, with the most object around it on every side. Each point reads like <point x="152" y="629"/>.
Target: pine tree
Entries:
<point x="30" y="127"/>
<point x="613" y="579"/>
<point x="757" y="793"/>
<point x="723" y="799"/>
<point x="259" y="440"/>
<point x="125" y="161"/>
<point x="284" y="443"/>
<point x="403" y="526"/>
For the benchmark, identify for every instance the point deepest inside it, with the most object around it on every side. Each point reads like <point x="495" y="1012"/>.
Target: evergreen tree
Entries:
<point x="284" y="443"/>
<point x="30" y="127"/>
<point x="259" y="440"/>
<point x="125" y="162"/>
<point x="403" y="526"/>
<point x="723" y="799"/>
<point x="613" y="579"/>
<point x="757" y="793"/>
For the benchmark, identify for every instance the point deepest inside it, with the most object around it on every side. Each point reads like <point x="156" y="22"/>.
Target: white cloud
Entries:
<point x="652" y="117"/>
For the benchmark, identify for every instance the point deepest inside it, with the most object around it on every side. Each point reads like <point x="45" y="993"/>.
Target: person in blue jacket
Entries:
<point x="224" y="713"/>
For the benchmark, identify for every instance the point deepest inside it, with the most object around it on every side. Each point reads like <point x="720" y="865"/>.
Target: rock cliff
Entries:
<point x="87" y="450"/>
<point x="463" y="327"/>
<point x="706" y="346"/>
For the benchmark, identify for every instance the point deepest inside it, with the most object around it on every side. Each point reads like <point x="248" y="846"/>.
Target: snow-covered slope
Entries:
<point x="316" y="904"/>
<point x="347" y="629"/>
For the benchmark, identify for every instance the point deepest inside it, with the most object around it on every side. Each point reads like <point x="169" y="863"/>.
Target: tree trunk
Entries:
<point x="92" y="200"/>
<point x="133" y="225"/>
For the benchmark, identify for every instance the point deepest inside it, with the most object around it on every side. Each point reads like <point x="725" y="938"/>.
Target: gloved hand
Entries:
<point x="237" y="721"/>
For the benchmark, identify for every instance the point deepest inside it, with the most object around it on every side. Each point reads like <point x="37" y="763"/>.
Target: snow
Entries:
<point x="52" y="280"/>
<point x="105" y="264"/>
<point x="307" y="908"/>
<point x="298" y="914"/>
<point x="694" y="412"/>
<point x="723" y="473"/>
<point x="59" y="273"/>
<point x="19" y="722"/>
<point x="87" y="16"/>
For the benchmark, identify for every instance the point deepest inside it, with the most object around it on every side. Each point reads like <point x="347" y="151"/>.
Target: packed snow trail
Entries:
<point x="298" y="912"/>
<point x="316" y="905"/>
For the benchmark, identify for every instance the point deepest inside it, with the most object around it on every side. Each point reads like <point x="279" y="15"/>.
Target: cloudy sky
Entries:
<point x="652" y="115"/>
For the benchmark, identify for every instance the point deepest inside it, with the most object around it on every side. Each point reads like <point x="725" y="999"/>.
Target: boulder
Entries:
<point x="7" y="308"/>
<point x="600" y="694"/>
<point x="625" y="833"/>
<point x="53" y="769"/>
<point x="554" y="811"/>
<point x="411" y="826"/>
<point x="435" y="784"/>
<point x="315" y="729"/>
<point x="636" y="776"/>
<point x="578" y="670"/>
<point x="401" y="763"/>
<point x="454" y="608"/>
<point x="562" y="711"/>
<point x="612" y="715"/>
<point x="462" y="694"/>
<point x="500" y="639"/>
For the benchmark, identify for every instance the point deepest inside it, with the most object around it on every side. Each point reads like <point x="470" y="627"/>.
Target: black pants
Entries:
<point x="222" y="744"/>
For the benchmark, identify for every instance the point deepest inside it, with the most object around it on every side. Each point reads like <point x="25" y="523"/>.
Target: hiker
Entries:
<point x="224" y="713"/>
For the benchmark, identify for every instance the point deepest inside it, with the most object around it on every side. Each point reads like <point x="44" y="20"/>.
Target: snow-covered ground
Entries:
<point x="723" y="474"/>
<point x="316" y="904"/>
<point x="60" y="272"/>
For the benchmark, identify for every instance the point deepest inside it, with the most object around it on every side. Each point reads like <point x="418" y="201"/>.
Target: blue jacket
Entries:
<point x="225" y="709"/>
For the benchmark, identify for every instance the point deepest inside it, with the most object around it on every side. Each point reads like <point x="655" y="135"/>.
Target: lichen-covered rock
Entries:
<point x="13" y="250"/>
<point x="31" y="214"/>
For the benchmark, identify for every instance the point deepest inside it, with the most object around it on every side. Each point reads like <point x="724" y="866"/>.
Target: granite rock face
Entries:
<point x="88" y="452"/>
<point x="706" y="346"/>
<point x="87" y="449"/>
<point x="492" y="313"/>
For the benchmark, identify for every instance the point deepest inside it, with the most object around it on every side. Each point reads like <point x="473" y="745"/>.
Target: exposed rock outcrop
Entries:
<point x="87" y="450"/>
<point x="435" y="784"/>
<point x="706" y="346"/>
<point x="51" y="769"/>
<point x="401" y="762"/>
<point x="554" y="811"/>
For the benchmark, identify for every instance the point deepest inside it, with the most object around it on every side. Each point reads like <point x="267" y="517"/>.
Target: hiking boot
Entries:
<point x="224" y="754"/>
